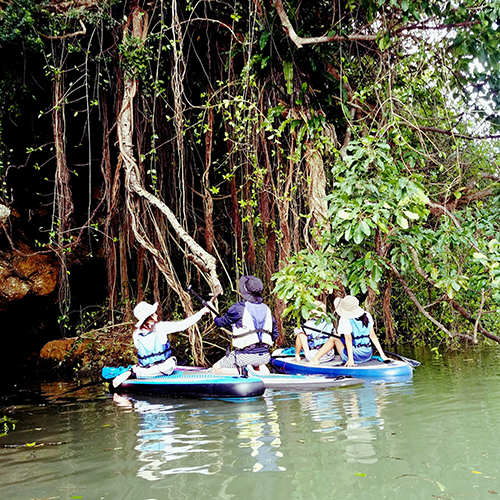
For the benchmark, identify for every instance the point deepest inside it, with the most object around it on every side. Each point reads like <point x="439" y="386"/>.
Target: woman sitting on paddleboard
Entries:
<point x="254" y="330"/>
<point x="313" y="334"/>
<point x="151" y="340"/>
<point x="356" y="334"/>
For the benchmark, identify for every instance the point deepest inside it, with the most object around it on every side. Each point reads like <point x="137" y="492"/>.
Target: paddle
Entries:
<point x="119" y="375"/>
<point x="409" y="361"/>
<point x="202" y="300"/>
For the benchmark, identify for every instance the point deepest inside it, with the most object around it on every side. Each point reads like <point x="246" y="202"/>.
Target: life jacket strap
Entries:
<point x="165" y="355"/>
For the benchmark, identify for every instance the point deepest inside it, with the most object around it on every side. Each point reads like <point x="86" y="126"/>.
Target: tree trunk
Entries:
<point x="208" y="202"/>
<point x="386" y="311"/>
<point x="62" y="197"/>
<point x="135" y="191"/>
<point x="316" y="191"/>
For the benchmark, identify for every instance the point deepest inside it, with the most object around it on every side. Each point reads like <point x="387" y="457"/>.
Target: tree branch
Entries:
<point x="423" y="26"/>
<point x="472" y="320"/>
<point x="452" y="133"/>
<point x="456" y="305"/>
<point x="300" y="41"/>
<point x="83" y="31"/>
<point x="422" y="310"/>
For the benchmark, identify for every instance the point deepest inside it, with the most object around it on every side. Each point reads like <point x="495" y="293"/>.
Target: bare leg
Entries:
<point x="339" y="345"/>
<point x="264" y="369"/>
<point x="224" y="371"/>
<point x="327" y="346"/>
<point x="301" y="343"/>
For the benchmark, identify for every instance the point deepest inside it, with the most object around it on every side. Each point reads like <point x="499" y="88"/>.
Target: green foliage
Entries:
<point x="382" y="112"/>
<point x="135" y="57"/>
<point x="369" y="195"/>
<point x="18" y="26"/>
<point x="8" y="424"/>
<point x="305" y="277"/>
<point x="371" y="192"/>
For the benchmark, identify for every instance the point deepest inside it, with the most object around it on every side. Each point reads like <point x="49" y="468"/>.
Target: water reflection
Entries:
<point x="171" y="438"/>
<point x="261" y="433"/>
<point x="352" y="415"/>
<point x="201" y="438"/>
<point x="160" y="441"/>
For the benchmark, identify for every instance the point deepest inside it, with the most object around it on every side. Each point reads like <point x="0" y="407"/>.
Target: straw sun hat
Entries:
<point x="348" y="307"/>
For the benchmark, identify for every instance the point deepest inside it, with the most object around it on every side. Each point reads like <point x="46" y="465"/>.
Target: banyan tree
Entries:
<point x="326" y="147"/>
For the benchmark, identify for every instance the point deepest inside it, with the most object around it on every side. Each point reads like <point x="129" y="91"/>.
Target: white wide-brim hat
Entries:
<point x="143" y="311"/>
<point x="348" y="307"/>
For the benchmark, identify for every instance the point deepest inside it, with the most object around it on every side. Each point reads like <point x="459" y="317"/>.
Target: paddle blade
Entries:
<point x="411" y="362"/>
<point x="109" y="372"/>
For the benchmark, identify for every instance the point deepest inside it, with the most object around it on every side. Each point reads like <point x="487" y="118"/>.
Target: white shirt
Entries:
<point x="164" y="328"/>
<point x="344" y="327"/>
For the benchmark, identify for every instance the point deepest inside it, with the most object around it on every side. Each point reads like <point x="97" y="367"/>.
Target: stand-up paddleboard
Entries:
<point x="304" y="382"/>
<point x="198" y="383"/>
<point x="284" y="362"/>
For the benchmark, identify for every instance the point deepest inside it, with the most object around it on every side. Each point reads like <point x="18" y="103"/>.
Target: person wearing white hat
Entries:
<point x="151" y="340"/>
<point x="356" y="334"/>
<point x="313" y="334"/>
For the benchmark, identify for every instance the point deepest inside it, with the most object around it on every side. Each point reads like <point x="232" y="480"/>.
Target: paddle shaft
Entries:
<point x="202" y="300"/>
<point x="411" y="362"/>
<point x="89" y="384"/>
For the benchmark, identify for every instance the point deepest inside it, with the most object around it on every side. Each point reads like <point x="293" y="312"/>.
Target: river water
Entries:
<point x="435" y="435"/>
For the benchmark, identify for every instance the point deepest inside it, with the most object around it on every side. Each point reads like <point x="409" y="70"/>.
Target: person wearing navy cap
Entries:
<point x="254" y="330"/>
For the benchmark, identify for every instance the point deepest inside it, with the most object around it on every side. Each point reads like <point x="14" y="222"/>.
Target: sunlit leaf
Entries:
<point x="365" y="228"/>
<point x="358" y="236"/>
<point x="343" y="214"/>
<point x="402" y="221"/>
<point x="411" y="215"/>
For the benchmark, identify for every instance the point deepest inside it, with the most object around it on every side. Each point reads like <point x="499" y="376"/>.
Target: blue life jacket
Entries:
<point x="360" y="334"/>
<point x="150" y="350"/>
<point x="317" y="334"/>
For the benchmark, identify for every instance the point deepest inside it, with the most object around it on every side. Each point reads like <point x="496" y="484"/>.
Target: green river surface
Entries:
<point x="436" y="435"/>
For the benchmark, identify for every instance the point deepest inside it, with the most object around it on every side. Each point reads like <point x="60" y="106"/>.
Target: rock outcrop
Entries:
<point x="24" y="273"/>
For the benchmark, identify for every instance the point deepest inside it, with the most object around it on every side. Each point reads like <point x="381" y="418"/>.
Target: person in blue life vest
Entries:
<point x="254" y="330"/>
<point x="313" y="334"/>
<point x="356" y="332"/>
<point x="151" y="340"/>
